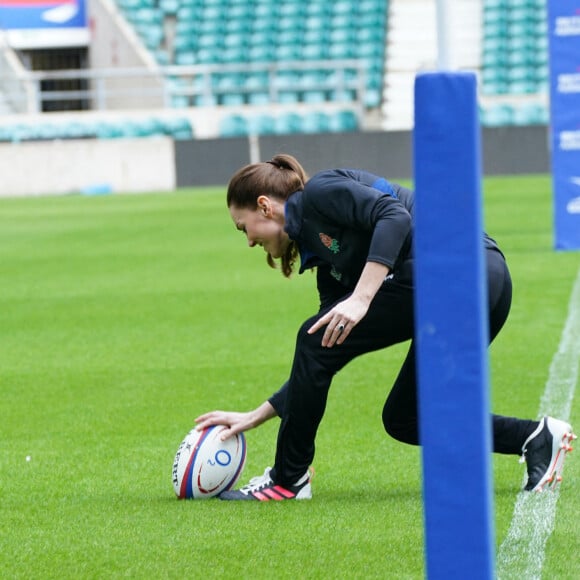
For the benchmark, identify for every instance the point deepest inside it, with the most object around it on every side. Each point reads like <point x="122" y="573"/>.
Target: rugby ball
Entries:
<point x="204" y="466"/>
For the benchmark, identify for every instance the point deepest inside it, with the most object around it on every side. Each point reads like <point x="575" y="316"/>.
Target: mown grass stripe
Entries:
<point x="521" y="555"/>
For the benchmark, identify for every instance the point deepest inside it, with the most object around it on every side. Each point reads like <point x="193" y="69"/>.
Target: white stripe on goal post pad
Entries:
<point x="521" y="554"/>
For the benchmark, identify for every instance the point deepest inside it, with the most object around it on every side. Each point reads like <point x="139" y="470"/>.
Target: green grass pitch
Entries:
<point x="124" y="317"/>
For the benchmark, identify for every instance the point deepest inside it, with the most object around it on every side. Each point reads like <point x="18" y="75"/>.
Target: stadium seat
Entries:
<point x="178" y="128"/>
<point x="530" y="114"/>
<point x="234" y="126"/>
<point x="237" y="31"/>
<point x="497" y="116"/>
<point x="315" y="122"/>
<point x="261" y="125"/>
<point x="514" y="46"/>
<point x="288" y="123"/>
<point x="343" y="121"/>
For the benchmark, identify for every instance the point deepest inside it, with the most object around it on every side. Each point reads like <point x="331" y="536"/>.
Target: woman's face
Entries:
<point x="263" y="227"/>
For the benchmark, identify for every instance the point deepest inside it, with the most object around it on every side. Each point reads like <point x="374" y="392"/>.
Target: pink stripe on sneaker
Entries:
<point x="271" y="493"/>
<point x="286" y="493"/>
<point x="259" y="495"/>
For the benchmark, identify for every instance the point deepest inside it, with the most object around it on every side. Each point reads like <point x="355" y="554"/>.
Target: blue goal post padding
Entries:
<point x="452" y="328"/>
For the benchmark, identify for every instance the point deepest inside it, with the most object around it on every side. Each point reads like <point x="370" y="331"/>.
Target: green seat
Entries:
<point x="240" y="12"/>
<point x="315" y="122"/>
<point x="522" y="29"/>
<point x="233" y="126"/>
<point x="232" y="99"/>
<point x="496" y="30"/>
<point x="494" y="4"/>
<point x="318" y="9"/>
<point x="342" y="51"/>
<point x="239" y="26"/>
<point x="209" y="55"/>
<point x="230" y="81"/>
<point x="291" y="10"/>
<point x="169" y="7"/>
<point x="205" y="100"/>
<point x="236" y="40"/>
<point x="288" y="96"/>
<point x="316" y="22"/>
<point x="342" y="96"/>
<point x="520" y="73"/>
<point x="209" y="40"/>
<point x="496" y="87"/>
<point x="236" y="54"/>
<point x="262" y="53"/>
<point x="187" y="13"/>
<point x="315" y="51"/>
<point x="493" y="59"/>
<point x="291" y="36"/>
<point x="185" y="58"/>
<point x="151" y="16"/>
<point x="522" y="57"/>
<point x="369" y="50"/>
<point x="522" y="87"/>
<point x="494" y="43"/>
<point x="288" y="52"/>
<point x="313" y="96"/>
<point x="184" y="43"/>
<point x="109" y="131"/>
<point x="376" y="7"/>
<point x="530" y="114"/>
<point x="497" y="116"/>
<point x="343" y="7"/>
<point x="343" y="121"/>
<point x="259" y="98"/>
<point x="261" y="125"/>
<point x="375" y="34"/>
<point x="288" y="123"/>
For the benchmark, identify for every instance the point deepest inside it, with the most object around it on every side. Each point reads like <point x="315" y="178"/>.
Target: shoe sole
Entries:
<point x="562" y="438"/>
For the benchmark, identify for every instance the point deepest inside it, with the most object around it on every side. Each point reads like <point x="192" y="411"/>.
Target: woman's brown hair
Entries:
<point x="279" y="178"/>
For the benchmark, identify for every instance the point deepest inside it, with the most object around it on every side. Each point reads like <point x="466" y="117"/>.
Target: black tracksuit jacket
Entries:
<point x="343" y="219"/>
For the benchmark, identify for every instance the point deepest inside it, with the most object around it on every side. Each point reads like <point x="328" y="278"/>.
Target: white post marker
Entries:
<point x="452" y="329"/>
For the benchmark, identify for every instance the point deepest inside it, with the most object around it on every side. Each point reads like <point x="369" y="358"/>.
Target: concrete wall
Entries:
<point x="159" y="164"/>
<point x="91" y="166"/>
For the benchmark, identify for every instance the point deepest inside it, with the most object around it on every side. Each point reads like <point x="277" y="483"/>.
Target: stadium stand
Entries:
<point x="265" y="67"/>
<point x="514" y="67"/>
<point x="234" y="32"/>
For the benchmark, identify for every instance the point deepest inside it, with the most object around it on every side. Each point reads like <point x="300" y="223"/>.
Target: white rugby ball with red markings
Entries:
<point x="204" y="466"/>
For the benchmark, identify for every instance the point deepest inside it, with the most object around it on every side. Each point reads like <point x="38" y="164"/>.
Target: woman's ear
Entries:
<point x="264" y="205"/>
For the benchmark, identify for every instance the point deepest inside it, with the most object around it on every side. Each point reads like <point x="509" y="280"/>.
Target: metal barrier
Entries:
<point x="182" y="86"/>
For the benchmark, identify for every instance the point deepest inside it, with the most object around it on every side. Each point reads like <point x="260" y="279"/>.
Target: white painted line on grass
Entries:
<point x="521" y="554"/>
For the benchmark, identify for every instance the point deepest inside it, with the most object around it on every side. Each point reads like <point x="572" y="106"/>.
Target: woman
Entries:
<point x="355" y="228"/>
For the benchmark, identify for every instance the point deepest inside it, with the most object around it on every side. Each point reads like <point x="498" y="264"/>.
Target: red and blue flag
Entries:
<point x="31" y="14"/>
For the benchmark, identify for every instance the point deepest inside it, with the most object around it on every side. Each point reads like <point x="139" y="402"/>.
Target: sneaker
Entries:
<point x="544" y="452"/>
<point x="262" y="488"/>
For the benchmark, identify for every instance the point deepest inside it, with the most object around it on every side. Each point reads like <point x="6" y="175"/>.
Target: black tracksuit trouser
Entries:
<point x="388" y="321"/>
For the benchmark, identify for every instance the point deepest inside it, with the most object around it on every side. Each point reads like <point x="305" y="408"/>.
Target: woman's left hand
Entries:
<point x="340" y="320"/>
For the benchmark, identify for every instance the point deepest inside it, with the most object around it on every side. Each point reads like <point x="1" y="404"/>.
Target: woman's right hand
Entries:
<point x="236" y="422"/>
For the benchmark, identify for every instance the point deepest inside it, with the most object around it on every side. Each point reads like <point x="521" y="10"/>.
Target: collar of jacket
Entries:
<point x="293" y="210"/>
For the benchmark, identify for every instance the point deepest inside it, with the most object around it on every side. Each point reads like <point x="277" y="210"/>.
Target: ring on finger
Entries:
<point x="340" y="327"/>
